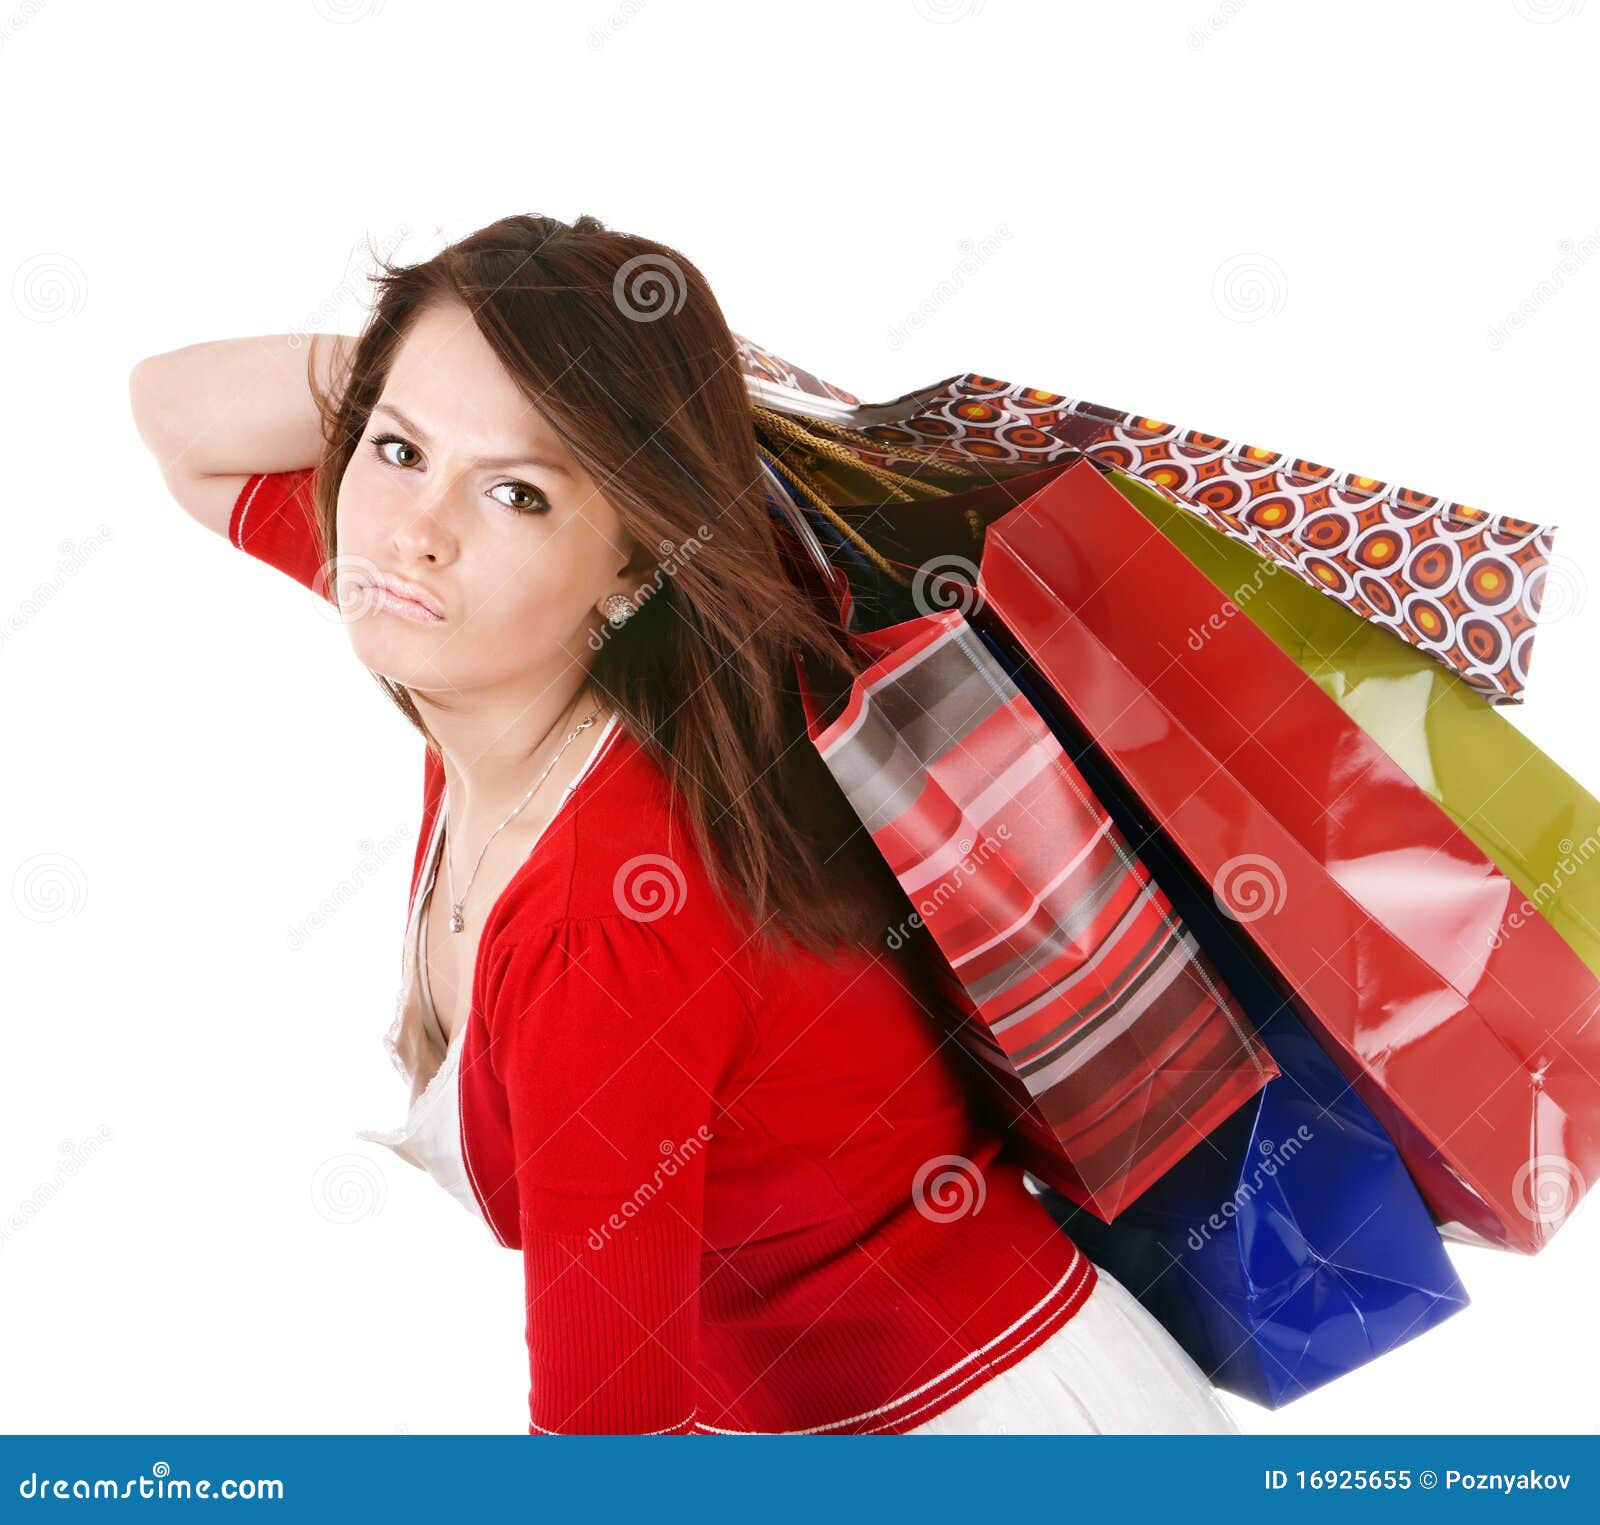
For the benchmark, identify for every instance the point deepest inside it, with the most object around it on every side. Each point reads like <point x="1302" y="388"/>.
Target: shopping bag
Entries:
<point x="1291" y="1246"/>
<point x="1459" y="584"/>
<point x="1120" y="1047"/>
<point x="1475" y="1041"/>
<point x="1523" y="811"/>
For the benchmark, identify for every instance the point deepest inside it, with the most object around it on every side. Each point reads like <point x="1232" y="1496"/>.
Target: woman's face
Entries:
<point x="460" y="489"/>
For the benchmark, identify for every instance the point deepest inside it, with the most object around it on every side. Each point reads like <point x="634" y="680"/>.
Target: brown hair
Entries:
<point x="621" y="345"/>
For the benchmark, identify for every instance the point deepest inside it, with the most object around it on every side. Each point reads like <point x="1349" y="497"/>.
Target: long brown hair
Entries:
<point x="620" y="344"/>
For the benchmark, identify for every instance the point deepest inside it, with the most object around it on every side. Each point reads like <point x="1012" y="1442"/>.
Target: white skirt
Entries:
<point x="1111" y="1369"/>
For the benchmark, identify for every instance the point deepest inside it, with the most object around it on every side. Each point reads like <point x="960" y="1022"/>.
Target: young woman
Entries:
<point x="653" y="1033"/>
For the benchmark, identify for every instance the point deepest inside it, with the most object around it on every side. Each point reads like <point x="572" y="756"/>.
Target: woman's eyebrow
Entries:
<point x="496" y="464"/>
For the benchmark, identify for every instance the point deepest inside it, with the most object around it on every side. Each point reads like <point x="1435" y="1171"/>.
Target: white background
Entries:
<point x="1293" y="225"/>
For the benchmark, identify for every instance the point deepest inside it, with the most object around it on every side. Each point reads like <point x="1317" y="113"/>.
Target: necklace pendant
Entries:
<point x="458" y="922"/>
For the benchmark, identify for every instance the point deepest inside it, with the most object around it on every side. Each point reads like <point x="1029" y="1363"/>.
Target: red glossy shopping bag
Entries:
<point x="1469" y="1026"/>
<point x="1114" y="1043"/>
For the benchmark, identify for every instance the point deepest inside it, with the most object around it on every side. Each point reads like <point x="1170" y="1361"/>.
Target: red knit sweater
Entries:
<point x="751" y="1194"/>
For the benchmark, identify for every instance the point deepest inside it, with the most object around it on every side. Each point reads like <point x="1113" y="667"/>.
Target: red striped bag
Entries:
<point x="1118" y="1046"/>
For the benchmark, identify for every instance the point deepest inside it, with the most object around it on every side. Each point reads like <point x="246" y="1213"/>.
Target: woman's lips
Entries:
<point x="383" y="595"/>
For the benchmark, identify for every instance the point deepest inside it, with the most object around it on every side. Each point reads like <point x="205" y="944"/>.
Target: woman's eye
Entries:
<point x="382" y="443"/>
<point x="532" y="500"/>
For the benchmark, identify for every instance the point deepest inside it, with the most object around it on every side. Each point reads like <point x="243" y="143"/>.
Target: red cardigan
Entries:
<point x="751" y="1194"/>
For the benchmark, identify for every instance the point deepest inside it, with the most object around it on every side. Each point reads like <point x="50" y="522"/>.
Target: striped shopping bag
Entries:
<point x="1114" y="1042"/>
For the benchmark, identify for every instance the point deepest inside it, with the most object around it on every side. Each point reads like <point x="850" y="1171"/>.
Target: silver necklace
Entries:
<point x="457" y="920"/>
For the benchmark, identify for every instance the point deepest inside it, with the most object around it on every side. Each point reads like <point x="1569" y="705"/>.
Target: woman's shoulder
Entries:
<point x="621" y="849"/>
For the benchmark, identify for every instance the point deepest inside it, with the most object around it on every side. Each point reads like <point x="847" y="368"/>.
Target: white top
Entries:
<point x="430" y="1136"/>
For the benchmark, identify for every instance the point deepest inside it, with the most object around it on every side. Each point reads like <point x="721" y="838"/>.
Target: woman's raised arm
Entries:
<point x="215" y="413"/>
